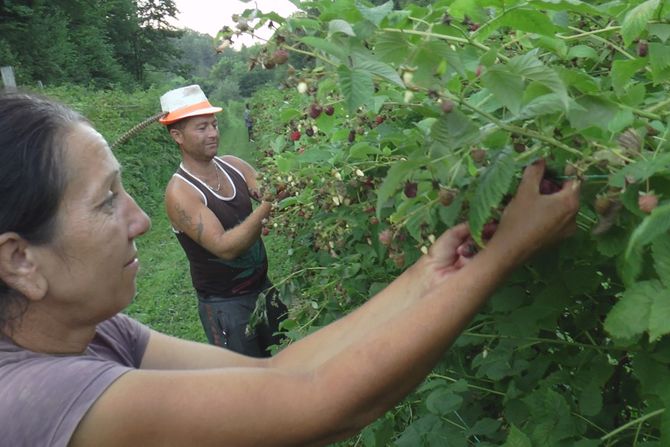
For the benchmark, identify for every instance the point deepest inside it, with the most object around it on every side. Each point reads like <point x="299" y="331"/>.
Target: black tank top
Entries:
<point x="213" y="276"/>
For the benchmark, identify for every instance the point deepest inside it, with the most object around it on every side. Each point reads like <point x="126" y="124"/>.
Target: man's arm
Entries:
<point x="250" y="174"/>
<point x="188" y="213"/>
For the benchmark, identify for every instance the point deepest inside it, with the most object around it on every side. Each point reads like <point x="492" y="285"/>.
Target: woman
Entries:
<point x="73" y="371"/>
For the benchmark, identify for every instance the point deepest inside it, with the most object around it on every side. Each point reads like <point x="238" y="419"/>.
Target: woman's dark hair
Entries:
<point x="32" y="177"/>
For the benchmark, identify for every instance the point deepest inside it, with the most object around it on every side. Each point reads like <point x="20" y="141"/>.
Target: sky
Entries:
<point x="209" y="16"/>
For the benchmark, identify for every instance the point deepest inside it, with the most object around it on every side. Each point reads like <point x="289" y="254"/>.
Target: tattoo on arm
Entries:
<point x="186" y="222"/>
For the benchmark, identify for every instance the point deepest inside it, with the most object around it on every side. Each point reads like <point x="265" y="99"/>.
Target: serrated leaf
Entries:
<point x="636" y="20"/>
<point x="641" y="170"/>
<point x="565" y="5"/>
<point x="517" y="438"/>
<point x="660" y="249"/>
<point x="593" y="111"/>
<point x="377" y="68"/>
<point x="340" y="26"/>
<point x="287" y="115"/>
<point x="326" y="46"/>
<point x="631" y="315"/>
<point x="454" y="130"/>
<point x="442" y="401"/>
<point x="528" y="20"/>
<point x="357" y="87"/>
<point x="659" y="58"/>
<point x="623" y="71"/>
<point x="660" y="30"/>
<point x="395" y="176"/>
<point x="492" y="186"/>
<point x="505" y="86"/>
<point x="582" y="51"/>
<point x="654" y="225"/>
<point x="377" y="14"/>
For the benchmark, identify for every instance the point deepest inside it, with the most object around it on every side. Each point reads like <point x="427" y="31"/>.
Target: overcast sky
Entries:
<point x="209" y="16"/>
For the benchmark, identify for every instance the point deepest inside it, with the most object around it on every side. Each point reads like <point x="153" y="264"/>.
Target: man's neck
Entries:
<point x="198" y="167"/>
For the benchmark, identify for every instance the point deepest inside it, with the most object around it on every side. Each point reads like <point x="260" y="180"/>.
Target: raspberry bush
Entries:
<point x="429" y="115"/>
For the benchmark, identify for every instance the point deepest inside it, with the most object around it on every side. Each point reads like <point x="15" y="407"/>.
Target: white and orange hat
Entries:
<point x="185" y="102"/>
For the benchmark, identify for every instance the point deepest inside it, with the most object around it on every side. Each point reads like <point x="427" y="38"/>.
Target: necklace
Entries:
<point x="218" y="178"/>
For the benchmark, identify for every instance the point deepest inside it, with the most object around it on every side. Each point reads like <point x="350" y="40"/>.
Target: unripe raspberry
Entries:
<point x="647" y="202"/>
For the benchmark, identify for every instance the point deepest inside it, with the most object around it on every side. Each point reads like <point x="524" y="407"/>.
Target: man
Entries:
<point x="249" y="122"/>
<point x="208" y="203"/>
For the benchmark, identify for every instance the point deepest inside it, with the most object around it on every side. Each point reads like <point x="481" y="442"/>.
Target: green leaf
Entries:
<point x="660" y="249"/>
<point x="340" y="26"/>
<point x="377" y="14"/>
<point x="531" y="68"/>
<point x="505" y="85"/>
<point x="377" y="68"/>
<point x="659" y="58"/>
<point x="653" y="226"/>
<point x="660" y="30"/>
<point x="566" y="5"/>
<point x="528" y="20"/>
<point x="454" y="130"/>
<point x="582" y="51"/>
<point x="642" y="170"/>
<point x="517" y="438"/>
<point x="395" y="177"/>
<point x="326" y="46"/>
<point x="630" y="316"/>
<point x="593" y="111"/>
<point x="636" y="20"/>
<point x="442" y="401"/>
<point x="623" y="71"/>
<point x="493" y="185"/>
<point x="287" y="115"/>
<point x="357" y="87"/>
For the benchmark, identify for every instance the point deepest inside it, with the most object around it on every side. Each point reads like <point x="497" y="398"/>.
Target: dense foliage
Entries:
<point x="416" y="118"/>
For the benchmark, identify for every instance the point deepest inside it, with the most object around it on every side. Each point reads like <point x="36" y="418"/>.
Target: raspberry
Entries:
<point x="647" y="202"/>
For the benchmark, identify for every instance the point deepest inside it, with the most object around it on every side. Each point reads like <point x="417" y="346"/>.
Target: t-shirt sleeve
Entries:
<point x="45" y="397"/>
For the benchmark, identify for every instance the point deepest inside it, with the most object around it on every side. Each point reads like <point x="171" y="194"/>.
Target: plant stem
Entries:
<point x="627" y="425"/>
<point x="445" y="37"/>
<point x="474" y="387"/>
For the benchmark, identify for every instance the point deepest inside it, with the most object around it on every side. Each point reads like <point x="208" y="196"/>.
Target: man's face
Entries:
<point x="198" y="137"/>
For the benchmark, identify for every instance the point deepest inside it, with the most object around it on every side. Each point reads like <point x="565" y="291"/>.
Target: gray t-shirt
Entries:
<point x="44" y="397"/>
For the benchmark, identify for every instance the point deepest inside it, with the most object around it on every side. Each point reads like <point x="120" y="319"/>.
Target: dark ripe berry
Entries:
<point x="549" y="186"/>
<point x="519" y="148"/>
<point x="642" y="48"/>
<point x="265" y="231"/>
<point x="280" y="57"/>
<point x="473" y="27"/>
<point x="478" y="155"/>
<point x="386" y="237"/>
<point x="295" y="135"/>
<point x="447" y="106"/>
<point x="269" y="64"/>
<point x="309" y="131"/>
<point x="329" y="110"/>
<point x="446" y="196"/>
<point x="411" y="189"/>
<point x="370" y="209"/>
<point x="374" y="220"/>
<point x="602" y="205"/>
<point x="478" y="71"/>
<point x="352" y="136"/>
<point x="446" y="19"/>
<point x="379" y="119"/>
<point x="647" y="202"/>
<point x="315" y="110"/>
<point x="489" y="230"/>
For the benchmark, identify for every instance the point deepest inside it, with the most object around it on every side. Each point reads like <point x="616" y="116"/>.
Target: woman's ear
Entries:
<point x="18" y="269"/>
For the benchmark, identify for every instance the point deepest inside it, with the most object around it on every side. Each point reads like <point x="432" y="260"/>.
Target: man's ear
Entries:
<point x="177" y="136"/>
<point x="18" y="267"/>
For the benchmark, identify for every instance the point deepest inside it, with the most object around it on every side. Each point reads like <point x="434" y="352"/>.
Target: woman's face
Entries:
<point x="91" y="264"/>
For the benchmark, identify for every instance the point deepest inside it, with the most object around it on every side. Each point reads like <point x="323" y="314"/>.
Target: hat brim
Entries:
<point x="175" y="116"/>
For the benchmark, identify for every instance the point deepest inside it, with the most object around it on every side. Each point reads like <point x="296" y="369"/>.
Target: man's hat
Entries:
<point x="185" y="102"/>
